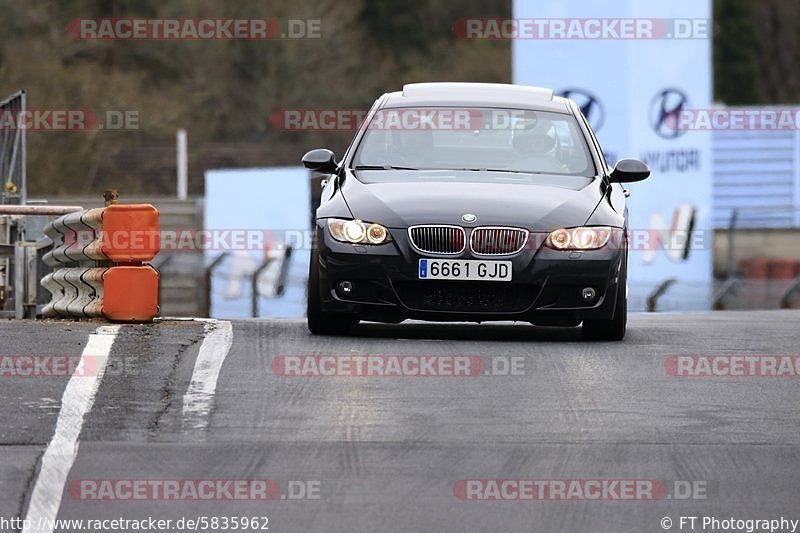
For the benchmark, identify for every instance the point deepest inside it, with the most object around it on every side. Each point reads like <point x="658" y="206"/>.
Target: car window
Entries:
<point x="509" y="140"/>
<point x="596" y="142"/>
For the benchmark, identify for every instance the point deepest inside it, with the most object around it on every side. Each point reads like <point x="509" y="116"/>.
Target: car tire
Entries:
<point x="613" y="329"/>
<point x="320" y="322"/>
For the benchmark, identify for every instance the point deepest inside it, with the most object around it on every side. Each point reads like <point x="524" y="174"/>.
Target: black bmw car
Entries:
<point x="471" y="202"/>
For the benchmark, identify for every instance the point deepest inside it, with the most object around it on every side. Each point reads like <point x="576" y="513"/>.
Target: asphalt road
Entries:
<point x="192" y="402"/>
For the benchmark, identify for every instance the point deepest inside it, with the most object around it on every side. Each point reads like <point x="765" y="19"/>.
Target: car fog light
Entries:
<point x="345" y="287"/>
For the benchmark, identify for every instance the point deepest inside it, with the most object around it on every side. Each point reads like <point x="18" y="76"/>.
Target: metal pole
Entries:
<point x="209" y="271"/>
<point x="23" y="195"/>
<point x="652" y="299"/>
<point x="159" y="263"/>
<point x="794" y="285"/>
<point x="287" y="259"/>
<point x="19" y="281"/>
<point x="15" y="144"/>
<point x="35" y="209"/>
<point x="183" y="165"/>
<point x="731" y="258"/>
<point x="718" y="303"/>
<point x="254" y="288"/>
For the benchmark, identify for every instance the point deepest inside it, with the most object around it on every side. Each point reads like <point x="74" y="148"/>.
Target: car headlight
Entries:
<point x="583" y="238"/>
<point x="358" y="232"/>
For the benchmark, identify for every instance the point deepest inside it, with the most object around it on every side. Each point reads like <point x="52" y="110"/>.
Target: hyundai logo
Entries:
<point x="590" y="106"/>
<point x="469" y="217"/>
<point x="665" y="111"/>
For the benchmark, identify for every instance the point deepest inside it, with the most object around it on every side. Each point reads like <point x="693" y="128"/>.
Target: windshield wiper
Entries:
<point x="501" y="170"/>
<point x="382" y="167"/>
<point x="394" y="167"/>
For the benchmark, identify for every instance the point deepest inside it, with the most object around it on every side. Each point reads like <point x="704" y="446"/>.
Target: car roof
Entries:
<point x="477" y="95"/>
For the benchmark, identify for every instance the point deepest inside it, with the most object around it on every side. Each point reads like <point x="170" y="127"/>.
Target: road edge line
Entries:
<point x="199" y="397"/>
<point x="61" y="452"/>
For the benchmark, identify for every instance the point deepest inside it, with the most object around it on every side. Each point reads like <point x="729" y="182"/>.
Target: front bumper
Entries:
<point x="545" y="288"/>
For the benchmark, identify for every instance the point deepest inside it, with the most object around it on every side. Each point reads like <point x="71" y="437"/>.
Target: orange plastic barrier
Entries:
<point x="130" y="233"/>
<point x="130" y="293"/>
<point x="126" y="290"/>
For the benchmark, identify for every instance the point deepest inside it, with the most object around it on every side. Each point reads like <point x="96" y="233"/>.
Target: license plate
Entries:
<point x="466" y="270"/>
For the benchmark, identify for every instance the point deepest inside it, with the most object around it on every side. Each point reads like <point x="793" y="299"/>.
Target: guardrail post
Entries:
<point x="652" y="299"/>
<point x="207" y="279"/>
<point x="280" y="279"/>
<point x="731" y="255"/>
<point x="785" y="298"/>
<point x="254" y="287"/>
<point x="19" y="281"/>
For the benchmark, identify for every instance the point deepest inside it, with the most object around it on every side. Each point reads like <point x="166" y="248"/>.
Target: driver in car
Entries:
<point x="538" y="149"/>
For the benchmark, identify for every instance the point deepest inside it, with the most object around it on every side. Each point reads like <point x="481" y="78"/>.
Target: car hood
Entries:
<point x="398" y="199"/>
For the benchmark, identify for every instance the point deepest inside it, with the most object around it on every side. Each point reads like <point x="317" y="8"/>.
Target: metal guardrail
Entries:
<point x="266" y="279"/>
<point x="99" y="257"/>
<point x="21" y="267"/>
<point x="280" y="281"/>
<point x="718" y="301"/>
<point x="182" y="292"/>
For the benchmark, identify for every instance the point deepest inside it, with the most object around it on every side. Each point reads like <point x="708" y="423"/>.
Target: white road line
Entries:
<point x="199" y="398"/>
<point x="60" y="454"/>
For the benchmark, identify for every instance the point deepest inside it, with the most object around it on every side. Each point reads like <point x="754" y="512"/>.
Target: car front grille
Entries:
<point x="466" y="296"/>
<point x="438" y="239"/>
<point x="498" y="241"/>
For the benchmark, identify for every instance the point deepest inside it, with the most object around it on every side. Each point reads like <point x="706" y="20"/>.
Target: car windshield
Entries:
<point x="457" y="138"/>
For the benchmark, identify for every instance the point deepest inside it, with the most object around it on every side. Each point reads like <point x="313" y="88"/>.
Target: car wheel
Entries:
<point x="321" y="322"/>
<point x="613" y="329"/>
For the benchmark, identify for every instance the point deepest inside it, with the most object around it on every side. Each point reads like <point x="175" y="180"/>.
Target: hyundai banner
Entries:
<point x="633" y="66"/>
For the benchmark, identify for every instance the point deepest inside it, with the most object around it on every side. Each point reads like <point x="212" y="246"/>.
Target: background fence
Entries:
<point x="13" y="154"/>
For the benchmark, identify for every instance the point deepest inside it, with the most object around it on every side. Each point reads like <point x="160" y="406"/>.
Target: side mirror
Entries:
<point x="629" y="170"/>
<point x="320" y="160"/>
